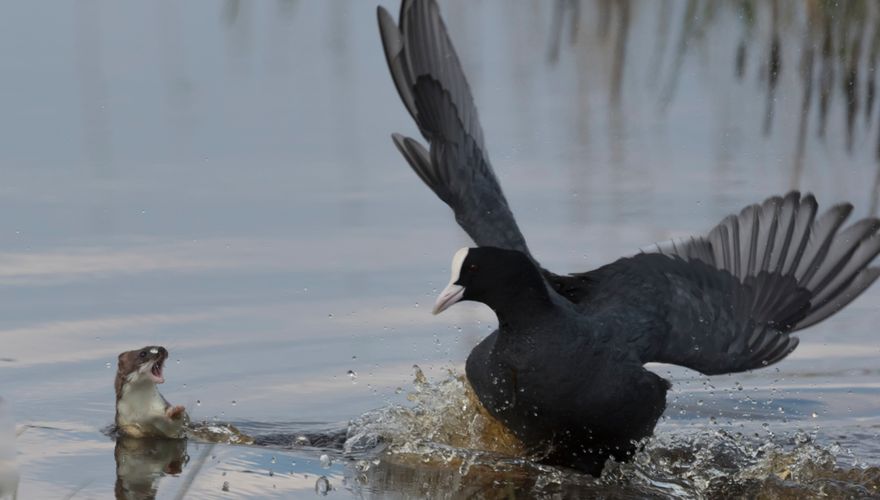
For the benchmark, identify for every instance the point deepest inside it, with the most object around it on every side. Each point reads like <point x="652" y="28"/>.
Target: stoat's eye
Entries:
<point x="143" y="354"/>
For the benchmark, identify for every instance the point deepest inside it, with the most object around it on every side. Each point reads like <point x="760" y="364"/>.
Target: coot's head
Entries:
<point x="493" y="276"/>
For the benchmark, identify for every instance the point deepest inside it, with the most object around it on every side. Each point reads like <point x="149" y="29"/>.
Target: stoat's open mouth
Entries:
<point x="156" y="371"/>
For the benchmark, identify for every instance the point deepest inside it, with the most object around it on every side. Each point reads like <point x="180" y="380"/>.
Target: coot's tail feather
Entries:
<point x="432" y="85"/>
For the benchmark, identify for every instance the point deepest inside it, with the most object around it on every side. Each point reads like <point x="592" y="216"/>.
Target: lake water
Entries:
<point x="218" y="178"/>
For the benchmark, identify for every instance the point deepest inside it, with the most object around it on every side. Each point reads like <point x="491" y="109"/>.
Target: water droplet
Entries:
<point x="234" y="403"/>
<point x="352" y="375"/>
<point x="302" y="441"/>
<point x="325" y="461"/>
<point x="700" y="403"/>
<point x="814" y="415"/>
<point x="322" y="486"/>
<point x="198" y="402"/>
<point x="273" y="460"/>
<point x="107" y="364"/>
<point x="225" y="486"/>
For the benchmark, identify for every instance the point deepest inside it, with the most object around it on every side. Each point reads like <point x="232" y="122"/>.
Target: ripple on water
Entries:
<point x="446" y="430"/>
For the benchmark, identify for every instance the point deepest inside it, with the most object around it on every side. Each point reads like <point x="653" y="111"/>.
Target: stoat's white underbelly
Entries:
<point x="140" y="412"/>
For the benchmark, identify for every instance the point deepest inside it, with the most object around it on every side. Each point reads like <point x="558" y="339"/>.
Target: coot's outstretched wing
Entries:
<point x="730" y="299"/>
<point x="434" y="90"/>
<point x="783" y="239"/>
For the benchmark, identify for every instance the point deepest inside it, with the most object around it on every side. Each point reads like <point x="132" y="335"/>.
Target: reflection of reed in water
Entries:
<point x="834" y="47"/>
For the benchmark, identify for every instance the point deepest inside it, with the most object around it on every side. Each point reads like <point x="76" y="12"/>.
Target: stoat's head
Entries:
<point x="142" y="365"/>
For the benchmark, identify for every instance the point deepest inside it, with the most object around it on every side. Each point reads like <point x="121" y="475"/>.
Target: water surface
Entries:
<point x="218" y="178"/>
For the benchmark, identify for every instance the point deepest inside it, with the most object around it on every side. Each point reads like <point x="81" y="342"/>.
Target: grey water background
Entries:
<point x="218" y="178"/>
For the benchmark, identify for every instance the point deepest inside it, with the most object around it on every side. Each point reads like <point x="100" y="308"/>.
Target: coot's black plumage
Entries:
<point x="564" y="371"/>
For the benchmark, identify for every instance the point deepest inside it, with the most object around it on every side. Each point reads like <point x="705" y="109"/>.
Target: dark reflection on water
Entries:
<point x="217" y="177"/>
<point x="831" y="47"/>
<point x="141" y="463"/>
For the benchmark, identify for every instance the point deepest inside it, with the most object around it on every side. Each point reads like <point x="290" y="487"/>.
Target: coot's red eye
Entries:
<point x="472" y="267"/>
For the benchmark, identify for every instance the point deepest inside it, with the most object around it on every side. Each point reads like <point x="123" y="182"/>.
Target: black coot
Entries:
<point x="564" y="371"/>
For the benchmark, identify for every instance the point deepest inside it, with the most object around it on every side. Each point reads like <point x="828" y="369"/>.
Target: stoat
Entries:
<point x="140" y="410"/>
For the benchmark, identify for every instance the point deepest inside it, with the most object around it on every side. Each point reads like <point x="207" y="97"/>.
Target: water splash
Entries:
<point x="217" y="432"/>
<point x="445" y="422"/>
<point x="445" y="430"/>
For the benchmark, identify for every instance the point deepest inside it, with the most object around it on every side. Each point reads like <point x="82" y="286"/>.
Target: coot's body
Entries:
<point x="575" y="418"/>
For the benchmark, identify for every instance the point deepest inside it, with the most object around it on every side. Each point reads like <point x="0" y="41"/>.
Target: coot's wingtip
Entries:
<point x="382" y="12"/>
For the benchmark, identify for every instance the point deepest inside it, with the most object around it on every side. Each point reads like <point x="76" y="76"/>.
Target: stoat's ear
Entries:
<point x="127" y="359"/>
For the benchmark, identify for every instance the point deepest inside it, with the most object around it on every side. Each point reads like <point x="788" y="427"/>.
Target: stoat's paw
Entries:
<point x="175" y="412"/>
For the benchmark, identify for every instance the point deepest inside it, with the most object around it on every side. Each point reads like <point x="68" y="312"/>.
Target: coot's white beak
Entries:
<point x="453" y="292"/>
<point x="450" y="295"/>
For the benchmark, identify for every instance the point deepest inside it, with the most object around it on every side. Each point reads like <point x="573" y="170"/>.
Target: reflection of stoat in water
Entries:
<point x="140" y="410"/>
<point x="141" y="462"/>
